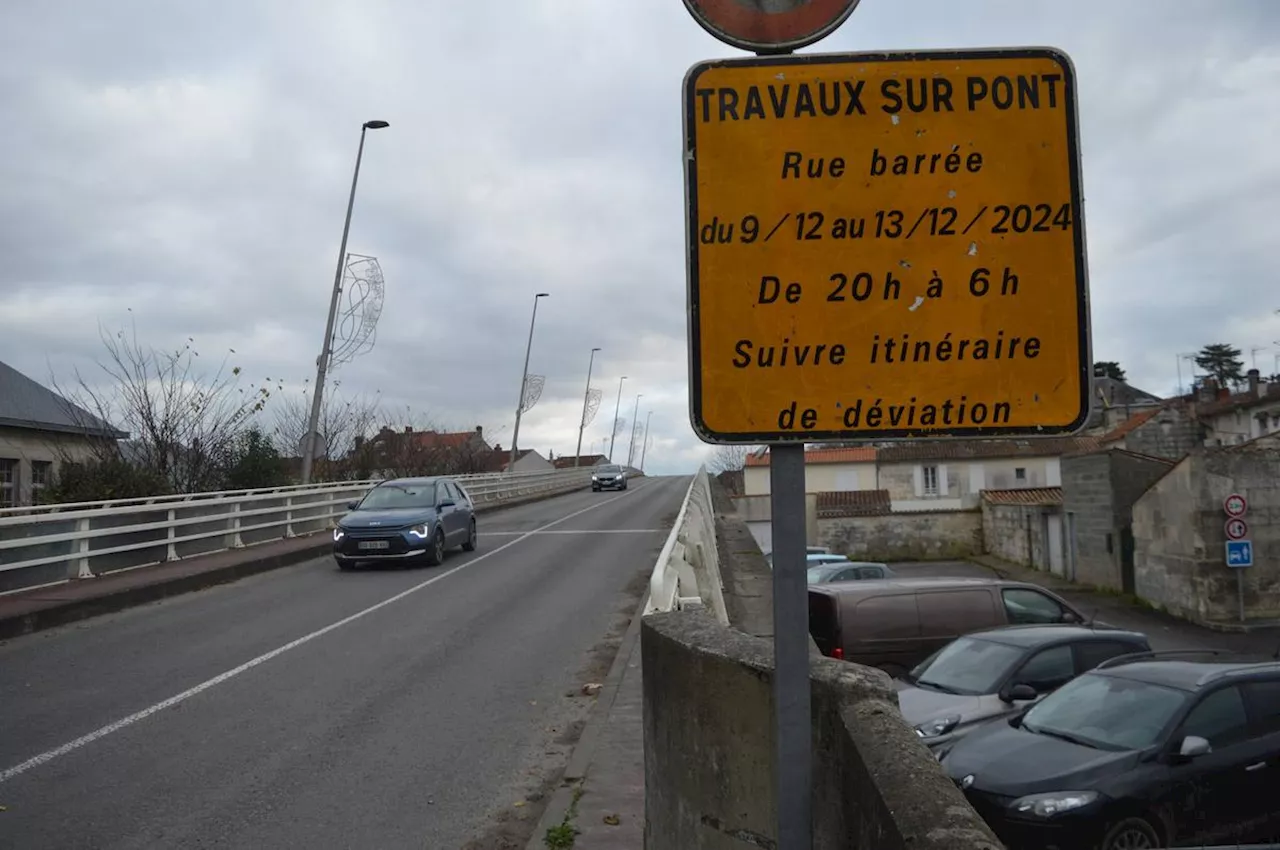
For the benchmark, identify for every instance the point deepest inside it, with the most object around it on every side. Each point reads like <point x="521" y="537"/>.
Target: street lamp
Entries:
<point x="644" y="446"/>
<point x="524" y="380"/>
<point x="616" y="406"/>
<point x="635" y="423"/>
<point x="326" y="350"/>
<point x="586" y="396"/>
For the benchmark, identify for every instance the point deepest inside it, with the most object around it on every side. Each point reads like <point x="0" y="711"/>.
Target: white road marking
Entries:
<point x="124" y="722"/>
<point x="577" y="531"/>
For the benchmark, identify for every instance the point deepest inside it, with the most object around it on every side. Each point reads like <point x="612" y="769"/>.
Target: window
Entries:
<point x="1031" y="606"/>
<point x="8" y="483"/>
<point x="1219" y="718"/>
<point x="1047" y="669"/>
<point x="1020" y="473"/>
<point x="1264" y="701"/>
<point x="41" y="478"/>
<point x="930" y="475"/>
<point x="967" y="666"/>
<point x="1093" y="652"/>
<point x="1107" y="711"/>
<point x="870" y="572"/>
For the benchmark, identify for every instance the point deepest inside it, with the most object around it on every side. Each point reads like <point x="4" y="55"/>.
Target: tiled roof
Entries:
<point x="1129" y="425"/>
<point x="858" y="455"/>
<point x="846" y="503"/>
<point x="1240" y="401"/>
<point x="26" y="404"/>
<point x="1028" y="496"/>
<point x="983" y="449"/>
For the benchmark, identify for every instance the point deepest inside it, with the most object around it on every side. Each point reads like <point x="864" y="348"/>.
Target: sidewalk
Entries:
<point x="29" y="611"/>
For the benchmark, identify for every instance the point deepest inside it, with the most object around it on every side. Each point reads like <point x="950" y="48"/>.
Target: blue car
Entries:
<point x="406" y="520"/>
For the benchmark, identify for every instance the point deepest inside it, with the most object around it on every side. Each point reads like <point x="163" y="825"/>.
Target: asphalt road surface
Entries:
<point x="312" y="708"/>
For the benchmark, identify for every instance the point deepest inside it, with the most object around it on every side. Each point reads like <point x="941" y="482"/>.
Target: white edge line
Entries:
<point x="136" y="717"/>
<point x="576" y="531"/>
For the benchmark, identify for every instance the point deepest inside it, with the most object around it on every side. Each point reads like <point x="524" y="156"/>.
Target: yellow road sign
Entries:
<point x="885" y="246"/>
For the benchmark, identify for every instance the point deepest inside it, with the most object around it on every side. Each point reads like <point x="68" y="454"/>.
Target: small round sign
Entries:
<point x="1237" y="529"/>
<point x="1235" y="505"/>
<point x="770" y="26"/>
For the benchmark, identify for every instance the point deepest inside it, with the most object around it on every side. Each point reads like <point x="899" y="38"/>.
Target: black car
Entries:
<point x="407" y="519"/>
<point x="994" y="673"/>
<point x="608" y="476"/>
<point x="1151" y="750"/>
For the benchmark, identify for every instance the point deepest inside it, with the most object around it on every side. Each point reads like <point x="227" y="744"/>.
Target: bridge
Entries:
<point x="287" y="704"/>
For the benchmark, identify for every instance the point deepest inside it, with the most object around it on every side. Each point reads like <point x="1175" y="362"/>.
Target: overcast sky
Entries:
<point x="189" y="162"/>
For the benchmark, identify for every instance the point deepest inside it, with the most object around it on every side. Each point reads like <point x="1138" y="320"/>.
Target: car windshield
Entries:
<point x="391" y="496"/>
<point x="608" y="470"/>
<point x="818" y="574"/>
<point x="1106" y="712"/>
<point x="967" y="666"/>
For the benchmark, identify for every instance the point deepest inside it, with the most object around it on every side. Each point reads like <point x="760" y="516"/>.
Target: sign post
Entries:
<point x="1239" y="546"/>
<point x="880" y="247"/>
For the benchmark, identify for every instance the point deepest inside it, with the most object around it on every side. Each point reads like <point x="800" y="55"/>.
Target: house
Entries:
<point x="825" y="470"/>
<point x="40" y="429"/>
<point x="1232" y="419"/>
<point x="411" y="452"/>
<point x="563" y="462"/>
<point x="527" y="460"/>
<point x="1114" y="402"/>
<point x="949" y="475"/>
<point x="1168" y="431"/>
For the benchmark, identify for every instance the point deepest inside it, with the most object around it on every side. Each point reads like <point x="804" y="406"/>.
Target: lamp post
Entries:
<point x="644" y="446"/>
<point x="524" y="380"/>
<point x="635" y="424"/>
<point x="326" y="350"/>
<point x="613" y="438"/>
<point x="586" y="396"/>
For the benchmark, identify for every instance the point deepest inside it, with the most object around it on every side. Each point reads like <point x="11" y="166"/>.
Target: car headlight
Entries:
<point x="1053" y="803"/>
<point x="939" y="726"/>
<point x="422" y="532"/>
<point x="337" y="534"/>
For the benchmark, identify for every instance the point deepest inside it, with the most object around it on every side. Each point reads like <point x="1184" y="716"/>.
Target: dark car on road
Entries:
<point x="608" y="476"/>
<point x="1160" y="749"/>
<point x="408" y="520"/>
<point x="990" y="674"/>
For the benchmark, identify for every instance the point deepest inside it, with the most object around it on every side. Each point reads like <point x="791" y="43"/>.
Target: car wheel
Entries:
<point x="435" y="555"/>
<point x="1131" y="834"/>
<point x="470" y="545"/>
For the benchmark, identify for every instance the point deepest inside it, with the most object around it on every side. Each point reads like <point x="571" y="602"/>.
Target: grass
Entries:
<point x="563" y="835"/>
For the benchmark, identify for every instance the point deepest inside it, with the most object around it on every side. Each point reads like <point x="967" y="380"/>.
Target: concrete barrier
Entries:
<point x="709" y="751"/>
<point x="687" y="572"/>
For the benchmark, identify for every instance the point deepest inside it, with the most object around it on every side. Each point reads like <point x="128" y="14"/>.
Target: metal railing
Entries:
<point x="687" y="572"/>
<point x="50" y="544"/>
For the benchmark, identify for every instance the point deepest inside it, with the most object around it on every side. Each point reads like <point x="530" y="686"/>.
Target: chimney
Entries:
<point x="359" y="443"/>
<point x="497" y="447"/>
<point x="479" y="430"/>
<point x="1254" y="378"/>
<point x="408" y="429"/>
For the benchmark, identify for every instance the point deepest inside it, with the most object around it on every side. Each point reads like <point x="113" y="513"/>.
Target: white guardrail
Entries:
<point x="687" y="573"/>
<point x="50" y="544"/>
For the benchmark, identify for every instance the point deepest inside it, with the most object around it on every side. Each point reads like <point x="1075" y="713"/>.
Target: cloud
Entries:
<point x="186" y="167"/>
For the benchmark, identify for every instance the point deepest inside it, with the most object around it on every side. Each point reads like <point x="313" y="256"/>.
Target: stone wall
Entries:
<point x="709" y="751"/>
<point x="1180" y="540"/>
<point x="1170" y="434"/>
<point x="931" y="535"/>
<point x="1014" y="533"/>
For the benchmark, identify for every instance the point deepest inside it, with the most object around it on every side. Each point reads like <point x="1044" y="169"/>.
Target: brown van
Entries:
<point x="894" y="624"/>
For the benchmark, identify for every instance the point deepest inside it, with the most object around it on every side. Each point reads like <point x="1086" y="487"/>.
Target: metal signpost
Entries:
<point x="880" y="247"/>
<point x="1239" y="546"/>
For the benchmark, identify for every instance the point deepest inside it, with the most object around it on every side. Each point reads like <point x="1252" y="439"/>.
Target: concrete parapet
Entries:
<point x="709" y="751"/>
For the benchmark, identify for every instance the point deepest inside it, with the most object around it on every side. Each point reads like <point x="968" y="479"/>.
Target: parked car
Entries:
<point x="846" y="570"/>
<point x="815" y="558"/>
<point x="991" y="674"/>
<point x="408" y="519"/>
<point x="608" y="476"/>
<point x="1160" y="749"/>
<point x="896" y="623"/>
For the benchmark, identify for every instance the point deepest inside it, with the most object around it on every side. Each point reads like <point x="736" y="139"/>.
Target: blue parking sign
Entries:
<point x="1239" y="553"/>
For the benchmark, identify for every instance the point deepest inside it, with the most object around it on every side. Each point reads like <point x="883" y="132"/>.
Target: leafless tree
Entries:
<point x="343" y="423"/>
<point x="183" y="420"/>
<point x="728" y="459"/>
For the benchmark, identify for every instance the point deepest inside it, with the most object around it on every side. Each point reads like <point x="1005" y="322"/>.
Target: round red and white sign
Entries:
<point x="770" y="26"/>
<point x="1235" y="505"/>
<point x="1237" y="529"/>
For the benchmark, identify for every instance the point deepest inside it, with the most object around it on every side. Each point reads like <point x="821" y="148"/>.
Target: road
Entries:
<point x="312" y="708"/>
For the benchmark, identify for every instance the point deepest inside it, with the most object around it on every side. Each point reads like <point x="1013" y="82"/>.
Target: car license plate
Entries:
<point x="375" y="544"/>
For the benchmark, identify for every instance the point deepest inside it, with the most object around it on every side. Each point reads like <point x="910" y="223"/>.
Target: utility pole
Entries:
<point x="613" y="438"/>
<point x="524" y="381"/>
<point x="635" y="424"/>
<point x="586" y="397"/>
<point x="322" y="362"/>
